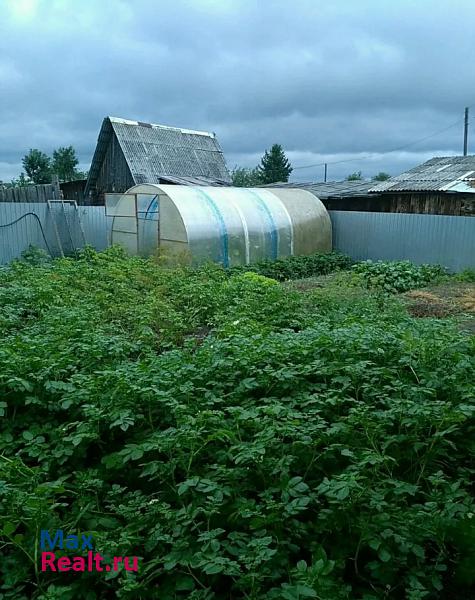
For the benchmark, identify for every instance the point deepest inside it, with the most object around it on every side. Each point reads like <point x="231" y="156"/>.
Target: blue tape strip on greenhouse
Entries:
<point x="272" y="226"/>
<point x="152" y="208"/>
<point x="222" y="225"/>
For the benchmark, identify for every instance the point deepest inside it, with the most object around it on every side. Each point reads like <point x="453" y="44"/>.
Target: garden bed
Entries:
<point x="241" y="438"/>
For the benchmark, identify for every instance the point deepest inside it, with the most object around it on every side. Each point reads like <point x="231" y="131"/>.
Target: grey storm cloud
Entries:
<point x="329" y="81"/>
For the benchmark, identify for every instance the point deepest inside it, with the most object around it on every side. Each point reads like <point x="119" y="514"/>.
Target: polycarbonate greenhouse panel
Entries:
<point x="231" y="226"/>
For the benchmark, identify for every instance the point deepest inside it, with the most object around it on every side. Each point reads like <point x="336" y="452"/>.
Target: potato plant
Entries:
<point x="397" y="276"/>
<point x="243" y="440"/>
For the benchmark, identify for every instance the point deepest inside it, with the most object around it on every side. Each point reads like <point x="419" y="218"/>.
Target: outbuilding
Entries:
<point x="133" y="152"/>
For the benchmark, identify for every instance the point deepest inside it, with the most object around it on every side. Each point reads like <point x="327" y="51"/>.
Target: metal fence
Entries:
<point x="436" y="239"/>
<point x="56" y="227"/>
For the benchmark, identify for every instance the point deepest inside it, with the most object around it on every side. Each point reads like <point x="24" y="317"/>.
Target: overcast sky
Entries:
<point x="328" y="80"/>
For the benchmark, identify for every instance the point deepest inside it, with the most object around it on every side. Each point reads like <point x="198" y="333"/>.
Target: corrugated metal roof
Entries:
<point x="446" y="173"/>
<point x="331" y="189"/>
<point x="154" y="151"/>
<point x="192" y="181"/>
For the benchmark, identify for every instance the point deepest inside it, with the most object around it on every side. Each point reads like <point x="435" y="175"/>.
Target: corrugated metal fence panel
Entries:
<point x="22" y="224"/>
<point x="33" y="223"/>
<point x="433" y="239"/>
<point x="96" y="225"/>
<point x="447" y="240"/>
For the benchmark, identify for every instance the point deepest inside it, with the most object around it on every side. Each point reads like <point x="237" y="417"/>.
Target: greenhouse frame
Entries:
<point x="228" y="225"/>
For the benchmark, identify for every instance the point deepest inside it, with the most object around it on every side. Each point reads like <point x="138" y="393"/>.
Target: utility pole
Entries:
<point x="325" y="174"/>
<point x="465" y="133"/>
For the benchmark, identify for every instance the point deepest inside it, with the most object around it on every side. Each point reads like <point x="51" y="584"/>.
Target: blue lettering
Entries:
<point x="45" y="538"/>
<point x="72" y="542"/>
<point x="86" y="541"/>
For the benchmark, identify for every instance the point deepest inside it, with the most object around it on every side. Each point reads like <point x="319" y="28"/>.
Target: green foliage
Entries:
<point x="274" y="165"/>
<point x="242" y="177"/>
<point x="467" y="275"/>
<point x="381" y="176"/>
<point x="35" y="256"/>
<point x="40" y="168"/>
<point x="37" y="166"/>
<point x="21" y="181"/>
<point x="297" y="267"/>
<point x="244" y="440"/>
<point x="65" y="164"/>
<point x="397" y="276"/>
<point x="355" y="176"/>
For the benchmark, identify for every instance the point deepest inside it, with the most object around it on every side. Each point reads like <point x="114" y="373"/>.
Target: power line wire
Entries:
<point x="336" y="162"/>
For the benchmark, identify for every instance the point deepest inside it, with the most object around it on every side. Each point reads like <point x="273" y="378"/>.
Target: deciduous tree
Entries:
<point x="37" y="166"/>
<point x="381" y="176"/>
<point x="355" y="176"/>
<point x="243" y="177"/>
<point x="65" y="164"/>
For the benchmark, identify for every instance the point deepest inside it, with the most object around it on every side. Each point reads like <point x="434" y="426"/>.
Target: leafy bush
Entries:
<point x="243" y="440"/>
<point x="467" y="275"/>
<point x="397" y="276"/>
<point x="298" y="267"/>
<point x="35" y="256"/>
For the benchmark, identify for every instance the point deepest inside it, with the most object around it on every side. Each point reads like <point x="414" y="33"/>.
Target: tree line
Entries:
<point x="63" y="164"/>
<point x="357" y="176"/>
<point x="275" y="167"/>
<point x="41" y="168"/>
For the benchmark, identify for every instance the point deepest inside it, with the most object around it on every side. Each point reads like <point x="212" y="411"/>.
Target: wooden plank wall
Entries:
<point x="114" y="175"/>
<point x="459" y="204"/>
<point x="427" y="203"/>
<point x="30" y="193"/>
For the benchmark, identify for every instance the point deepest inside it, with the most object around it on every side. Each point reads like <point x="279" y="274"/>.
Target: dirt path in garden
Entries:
<point x="444" y="300"/>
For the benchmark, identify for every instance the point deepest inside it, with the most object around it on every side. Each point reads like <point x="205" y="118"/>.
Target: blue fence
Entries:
<point x="445" y="240"/>
<point x="54" y="229"/>
<point x="434" y="239"/>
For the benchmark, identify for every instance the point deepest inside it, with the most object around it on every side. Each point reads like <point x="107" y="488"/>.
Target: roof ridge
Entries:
<point x="158" y="126"/>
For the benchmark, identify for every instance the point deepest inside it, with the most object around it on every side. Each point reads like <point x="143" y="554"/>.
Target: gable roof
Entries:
<point x="152" y="151"/>
<point x="442" y="174"/>
<point x="331" y="189"/>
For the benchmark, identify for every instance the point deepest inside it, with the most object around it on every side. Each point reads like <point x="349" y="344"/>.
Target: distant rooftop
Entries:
<point x="331" y="189"/>
<point x="442" y="174"/>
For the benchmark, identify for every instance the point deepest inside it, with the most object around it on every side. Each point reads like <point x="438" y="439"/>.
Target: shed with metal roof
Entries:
<point x="440" y="186"/>
<point x="441" y="174"/>
<point x="443" y="185"/>
<point x="133" y="152"/>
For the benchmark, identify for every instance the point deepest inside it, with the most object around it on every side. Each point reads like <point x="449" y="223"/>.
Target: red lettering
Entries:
<point x="47" y="560"/>
<point x="79" y="563"/>
<point x="135" y="564"/>
<point x="64" y="563"/>
<point x="117" y="560"/>
<point x="97" y="560"/>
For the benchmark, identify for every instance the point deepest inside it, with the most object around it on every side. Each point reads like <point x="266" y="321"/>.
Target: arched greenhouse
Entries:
<point x="232" y="226"/>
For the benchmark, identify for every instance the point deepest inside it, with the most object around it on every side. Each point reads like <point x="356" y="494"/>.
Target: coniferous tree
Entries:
<point x="275" y="166"/>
